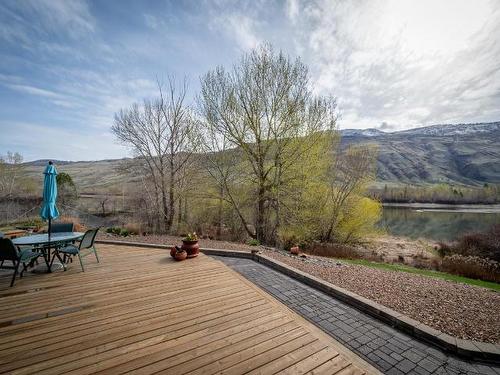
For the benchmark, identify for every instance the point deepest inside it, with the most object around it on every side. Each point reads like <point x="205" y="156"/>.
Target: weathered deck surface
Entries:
<point x="139" y="311"/>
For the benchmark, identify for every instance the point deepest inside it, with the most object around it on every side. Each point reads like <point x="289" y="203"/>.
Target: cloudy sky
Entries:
<point x="67" y="66"/>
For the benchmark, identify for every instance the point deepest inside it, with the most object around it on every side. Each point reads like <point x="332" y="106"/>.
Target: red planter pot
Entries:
<point x="173" y="250"/>
<point x="180" y="255"/>
<point x="192" y="248"/>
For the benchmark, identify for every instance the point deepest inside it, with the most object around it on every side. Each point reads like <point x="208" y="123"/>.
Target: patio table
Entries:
<point x="44" y="242"/>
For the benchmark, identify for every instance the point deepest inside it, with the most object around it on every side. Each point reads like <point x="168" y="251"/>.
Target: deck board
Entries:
<point x="138" y="311"/>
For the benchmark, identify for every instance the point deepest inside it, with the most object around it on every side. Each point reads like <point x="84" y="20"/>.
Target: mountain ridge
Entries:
<point x="435" y="130"/>
<point x="461" y="154"/>
<point x="465" y="154"/>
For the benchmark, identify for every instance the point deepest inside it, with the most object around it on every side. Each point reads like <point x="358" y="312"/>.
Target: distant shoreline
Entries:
<point x="440" y="207"/>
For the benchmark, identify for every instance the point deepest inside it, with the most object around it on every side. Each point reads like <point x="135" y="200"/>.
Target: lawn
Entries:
<point x="424" y="272"/>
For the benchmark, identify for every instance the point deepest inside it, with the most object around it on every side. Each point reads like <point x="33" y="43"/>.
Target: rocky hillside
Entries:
<point x="461" y="154"/>
<point x="466" y="154"/>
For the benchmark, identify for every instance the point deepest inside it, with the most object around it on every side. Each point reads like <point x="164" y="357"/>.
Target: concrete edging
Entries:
<point x="463" y="348"/>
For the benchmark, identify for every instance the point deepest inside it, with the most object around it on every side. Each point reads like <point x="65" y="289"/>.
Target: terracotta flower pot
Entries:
<point x="180" y="255"/>
<point x="173" y="250"/>
<point x="295" y="250"/>
<point x="192" y="248"/>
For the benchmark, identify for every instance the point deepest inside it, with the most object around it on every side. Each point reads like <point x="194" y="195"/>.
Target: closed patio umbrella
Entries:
<point x="49" y="210"/>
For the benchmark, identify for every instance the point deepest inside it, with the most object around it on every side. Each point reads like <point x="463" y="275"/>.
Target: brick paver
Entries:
<point x="388" y="349"/>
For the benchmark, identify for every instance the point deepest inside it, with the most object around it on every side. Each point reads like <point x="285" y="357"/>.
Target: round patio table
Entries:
<point x="44" y="242"/>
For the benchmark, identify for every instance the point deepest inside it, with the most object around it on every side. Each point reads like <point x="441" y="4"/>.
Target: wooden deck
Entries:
<point x="139" y="311"/>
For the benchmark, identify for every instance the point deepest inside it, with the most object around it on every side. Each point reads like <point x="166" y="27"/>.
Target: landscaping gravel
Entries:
<point x="461" y="310"/>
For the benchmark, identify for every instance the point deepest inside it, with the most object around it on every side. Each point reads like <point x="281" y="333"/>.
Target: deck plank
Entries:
<point x="138" y="311"/>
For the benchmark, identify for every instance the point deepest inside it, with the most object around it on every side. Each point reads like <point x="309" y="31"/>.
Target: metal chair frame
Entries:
<point x="10" y="252"/>
<point x="86" y="247"/>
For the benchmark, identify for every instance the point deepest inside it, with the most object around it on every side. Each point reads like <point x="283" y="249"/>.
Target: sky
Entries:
<point x="66" y="66"/>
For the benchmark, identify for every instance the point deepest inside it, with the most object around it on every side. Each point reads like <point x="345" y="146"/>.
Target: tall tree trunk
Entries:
<point x="260" y="229"/>
<point x="218" y="233"/>
<point x="185" y="212"/>
<point x="277" y="205"/>
<point x="165" y="207"/>
<point x="157" y="206"/>
<point x="179" y="213"/>
<point x="171" y="197"/>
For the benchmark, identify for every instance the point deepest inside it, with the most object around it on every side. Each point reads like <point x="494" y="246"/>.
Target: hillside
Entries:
<point x="465" y="154"/>
<point x="89" y="176"/>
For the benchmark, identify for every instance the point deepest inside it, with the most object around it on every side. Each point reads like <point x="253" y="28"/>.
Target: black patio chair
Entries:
<point x="10" y="252"/>
<point x="86" y="247"/>
<point x="61" y="227"/>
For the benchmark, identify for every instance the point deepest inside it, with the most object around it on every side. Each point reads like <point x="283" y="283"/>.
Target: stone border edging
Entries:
<point x="463" y="348"/>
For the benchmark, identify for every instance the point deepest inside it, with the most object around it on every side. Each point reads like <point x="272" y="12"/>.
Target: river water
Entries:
<point x="437" y="222"/>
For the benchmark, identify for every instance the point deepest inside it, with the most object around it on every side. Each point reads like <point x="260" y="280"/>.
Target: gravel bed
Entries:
<point x="461" y="310"/>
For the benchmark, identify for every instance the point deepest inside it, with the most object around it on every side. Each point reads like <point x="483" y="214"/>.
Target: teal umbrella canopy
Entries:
<point x="49" y="210"/>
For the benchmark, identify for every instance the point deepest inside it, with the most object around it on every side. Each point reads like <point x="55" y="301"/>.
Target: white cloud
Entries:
<point x="34" y="91"/>
<point x="392" y="64"/>
<point x="72" y="16"/>
<point x="238" y="27"/>
<point x="152" y="21"/>
<point x="414" y="63"/>
<point x="292" y="9"/>
<point x="239" y="23"/>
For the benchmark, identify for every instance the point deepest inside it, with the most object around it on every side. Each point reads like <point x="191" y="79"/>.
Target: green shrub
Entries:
<point x="124" y="232"/>
<point x="109" y="230"/>
<point x="34" y="222"/>
<point x="253" y="242"/>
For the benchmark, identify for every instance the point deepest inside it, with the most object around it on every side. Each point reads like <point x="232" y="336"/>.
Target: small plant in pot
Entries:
<point x="180" y="254"/>
<point x="190" y="245"/>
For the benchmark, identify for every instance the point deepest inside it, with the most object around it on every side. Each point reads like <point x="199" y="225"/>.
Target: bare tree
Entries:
<point x="103" y="201"/>
<point x="159" y="133"/>
<point x="221" y="164"/>
<point x="264" y="107"/>
<point x="10" y="170"/>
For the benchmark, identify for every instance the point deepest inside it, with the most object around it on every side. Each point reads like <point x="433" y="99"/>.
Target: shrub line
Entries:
<point x="462" y="348"/>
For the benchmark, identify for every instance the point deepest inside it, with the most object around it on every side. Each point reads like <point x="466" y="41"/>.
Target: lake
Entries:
<point x="437" y="221"/>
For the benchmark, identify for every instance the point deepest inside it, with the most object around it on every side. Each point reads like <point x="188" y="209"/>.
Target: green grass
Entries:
<point x="424" y="272"/>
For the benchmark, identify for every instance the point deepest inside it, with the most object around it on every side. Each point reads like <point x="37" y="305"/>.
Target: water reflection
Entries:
<point x="435" y="225"/>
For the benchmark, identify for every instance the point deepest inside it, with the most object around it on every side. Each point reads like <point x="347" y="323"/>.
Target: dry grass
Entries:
<point x="483" y="245"/>
<point x="133" y="228"/>
<point x="472" y="266"/>
<point x="333" y="250"/>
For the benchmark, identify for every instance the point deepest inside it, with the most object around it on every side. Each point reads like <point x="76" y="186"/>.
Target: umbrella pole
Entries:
<point x="48" y="248"/>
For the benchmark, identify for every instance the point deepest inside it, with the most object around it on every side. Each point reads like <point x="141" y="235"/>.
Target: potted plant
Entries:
<point x="190" y="245"/>
<point x="180" y="254"/>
